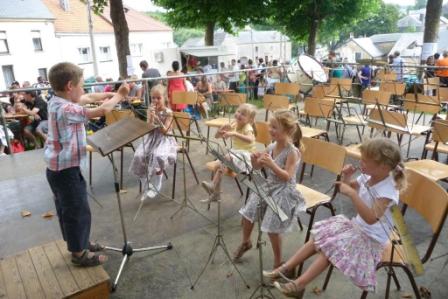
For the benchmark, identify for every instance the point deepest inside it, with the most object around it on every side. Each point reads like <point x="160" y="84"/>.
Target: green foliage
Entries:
<point x="98" y="6"/>
<point x="296" y="17"/>
<point x="180" y="35"/>
<point x="382" y="21"/>
<point x="227" y="15"/>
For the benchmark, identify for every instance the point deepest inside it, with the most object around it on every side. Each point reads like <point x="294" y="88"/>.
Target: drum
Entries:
<point x="306" y="70"/>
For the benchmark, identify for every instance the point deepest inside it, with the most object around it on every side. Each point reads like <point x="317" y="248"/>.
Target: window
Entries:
<point x="136" y="49"/>
<point x="37" y="43"/>
<point x="357" y="56"/>
<point x="8" y="75"/>
<point x="42" y="73"/>
<point x="3" y="43"/>
<point x="84" y="55"/>
<point x="105" y="54"/>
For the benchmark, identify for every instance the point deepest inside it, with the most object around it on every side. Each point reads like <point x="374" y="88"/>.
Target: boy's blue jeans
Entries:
<point x="72" y="207"/>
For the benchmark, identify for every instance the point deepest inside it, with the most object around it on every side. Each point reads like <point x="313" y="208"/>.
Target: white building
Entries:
<point x="36" y="34"/>
<point x="268" y="45"/>
<point x="415" y="21"/>
<point x="27" y="43"/>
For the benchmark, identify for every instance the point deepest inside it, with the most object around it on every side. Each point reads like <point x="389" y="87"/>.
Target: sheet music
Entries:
<point x="255" y="185"/>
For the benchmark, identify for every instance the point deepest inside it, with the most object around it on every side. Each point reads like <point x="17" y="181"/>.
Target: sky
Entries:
<point x="146" y="5"/>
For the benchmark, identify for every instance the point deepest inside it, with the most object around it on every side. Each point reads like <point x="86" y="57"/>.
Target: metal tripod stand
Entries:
<point x="127" y="249"/>
<point x="186" y="202"/>
<point x="219" y="242"/>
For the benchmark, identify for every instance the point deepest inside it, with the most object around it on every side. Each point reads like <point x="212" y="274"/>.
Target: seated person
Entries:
<point x="218" y="86"/>
<point x="37" y="108"/>
<point x="135" y="89"/>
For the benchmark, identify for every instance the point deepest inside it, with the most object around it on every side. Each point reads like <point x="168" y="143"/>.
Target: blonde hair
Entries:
<point x="289" y="123"/>
<point x="62" y="73"/>
<point x="162" y="90"/>
<point x="384" y="151"/>
<point x="251" y="111"/>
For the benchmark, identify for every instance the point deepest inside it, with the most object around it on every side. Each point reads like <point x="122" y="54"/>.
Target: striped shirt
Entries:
<point x="66" y="143"/>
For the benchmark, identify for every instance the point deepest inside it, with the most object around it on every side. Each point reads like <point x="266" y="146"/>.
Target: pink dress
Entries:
<point x="176" y="84"/>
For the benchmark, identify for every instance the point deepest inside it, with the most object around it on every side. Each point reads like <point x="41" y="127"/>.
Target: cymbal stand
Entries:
<point x="219" y="242"/>
<point x="127" y="249"/>
<point x="186" y="202"/>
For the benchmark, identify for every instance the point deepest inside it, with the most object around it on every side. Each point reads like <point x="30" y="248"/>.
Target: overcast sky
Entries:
<point x="146" y="5"/>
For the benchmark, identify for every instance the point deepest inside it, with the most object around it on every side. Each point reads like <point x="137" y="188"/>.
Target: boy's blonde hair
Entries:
<point x="384" y="151"/>
<point x="289" y="123"/>
<point x="60" y="74"/>
<point x="251" y="111"/>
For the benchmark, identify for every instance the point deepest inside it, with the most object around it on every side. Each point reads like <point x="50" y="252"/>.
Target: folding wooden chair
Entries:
<point x="291" y="90"/>
<point x="274" y="102"/>
<point x="439" y="140"/>
<point x="182" y="122"/>
<point x="429" y="200"/>
<point x="328" y="156"/>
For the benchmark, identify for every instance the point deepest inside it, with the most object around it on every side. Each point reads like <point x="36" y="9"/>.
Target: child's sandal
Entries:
<point x="96" y="247"/>
<point x="85" y="260"/>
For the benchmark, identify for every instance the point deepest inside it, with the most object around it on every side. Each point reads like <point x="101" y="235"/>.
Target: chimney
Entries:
<point x="65" y="4"/>
<point x="352" y="35"/>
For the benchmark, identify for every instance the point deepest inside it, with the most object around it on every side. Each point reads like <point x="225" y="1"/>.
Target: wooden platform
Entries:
<point x="47" y="272"/>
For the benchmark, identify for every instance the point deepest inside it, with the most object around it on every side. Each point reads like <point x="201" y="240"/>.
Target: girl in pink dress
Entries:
<point x="176" y="84"/>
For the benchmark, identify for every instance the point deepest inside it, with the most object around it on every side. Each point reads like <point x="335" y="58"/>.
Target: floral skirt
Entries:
<point x="349" y="249"/>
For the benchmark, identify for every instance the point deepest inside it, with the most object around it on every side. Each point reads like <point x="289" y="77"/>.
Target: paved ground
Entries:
<point x="169" y="274"/>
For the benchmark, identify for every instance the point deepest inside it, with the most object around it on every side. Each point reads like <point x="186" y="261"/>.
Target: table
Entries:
<point x="429" y="168"/>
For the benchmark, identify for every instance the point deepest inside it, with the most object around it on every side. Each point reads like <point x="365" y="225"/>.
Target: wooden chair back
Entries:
<point x="116" y="115"/>
<point x="323" y="154"/>
<point x="431" y="84"/>
<point x="395" y="88"/>
<point x="429" y="200"/>
<point x="274" y="102"/>
<point x="263" y="135"/>
<point x="383" y="119"/>
<point x="344" y="83"/>
<point x="386" y="75"/>
<point x="322" y="108"/>
<point x="440" y="131"/>
<point x="232" y="99"/>
<point x="286" y="88"/>
<point x="182" y="121"/>
<point x="325" y="90"/>
<point x="424" y="103"/>
<point x="373" y="96"/>
<point x="185" y="97"/>
<point x="443" y="94"/>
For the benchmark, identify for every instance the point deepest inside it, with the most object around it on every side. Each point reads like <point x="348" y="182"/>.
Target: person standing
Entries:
<point x="397" y="65"/>
<point x="443" y="73"/>
<point x="176" y="84"/>
<point x="65" y="153"/>
<point x="149" y="73"/>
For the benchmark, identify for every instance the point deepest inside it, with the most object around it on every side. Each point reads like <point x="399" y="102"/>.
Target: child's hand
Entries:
<point x="266" y="160"/>
<point x="123" y="90"/>
<point x="345" y="189"/>
<point x="347" y="172"/>
<point x="228" y="134"/>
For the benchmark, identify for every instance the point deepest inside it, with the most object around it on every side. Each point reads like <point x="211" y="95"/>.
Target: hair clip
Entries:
<point x="399" y="168"/>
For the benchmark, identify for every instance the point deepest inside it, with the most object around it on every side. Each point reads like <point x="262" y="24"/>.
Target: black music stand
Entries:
<point x="106" y="141"/>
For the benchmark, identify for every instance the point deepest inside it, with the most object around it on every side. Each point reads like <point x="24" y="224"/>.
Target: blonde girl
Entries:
<point x="242" y="133"/>
<point x="353" y="246"/>
<point x="281" y="161"/>
<point x="157" y="150"/>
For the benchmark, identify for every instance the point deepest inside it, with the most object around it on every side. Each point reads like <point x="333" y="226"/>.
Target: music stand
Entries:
<point x="106" y="141"/>
<point x="219" y="238"/>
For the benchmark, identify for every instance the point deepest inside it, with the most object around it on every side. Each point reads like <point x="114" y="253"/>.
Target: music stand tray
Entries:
<point x="106" y="141"/>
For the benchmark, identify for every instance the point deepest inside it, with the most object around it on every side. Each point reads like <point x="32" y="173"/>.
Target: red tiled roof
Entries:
<point x="75" y="20"/>
<point x="138" y="21"/>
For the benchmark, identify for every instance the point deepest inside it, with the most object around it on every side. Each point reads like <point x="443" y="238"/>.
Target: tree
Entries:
<point x="121" y="30"/>
<point x="432" y="20"/>
<point x="304" y="20"/>
<point x="210" y="14"/>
